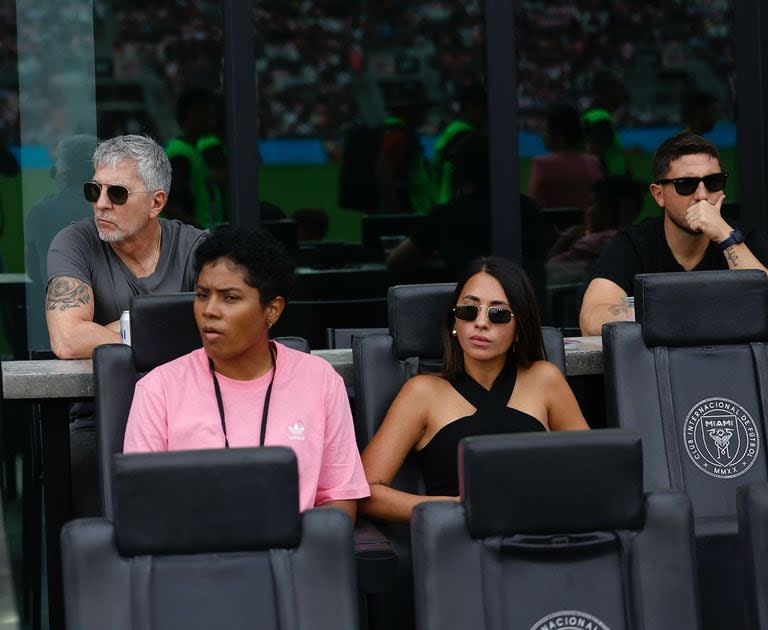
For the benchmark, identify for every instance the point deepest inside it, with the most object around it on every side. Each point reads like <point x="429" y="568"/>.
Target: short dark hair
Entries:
<point x="685" y="143"/>
<point x="522" y="300"/>
<point x="265" y="263"/>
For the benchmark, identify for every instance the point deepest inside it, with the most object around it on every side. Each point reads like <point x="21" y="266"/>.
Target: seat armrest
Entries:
<point x="375" y="558"/>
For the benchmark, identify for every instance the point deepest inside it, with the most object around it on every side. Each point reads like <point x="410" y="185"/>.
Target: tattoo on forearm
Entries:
<point x="65" y="293"/>
<point x="732" y="256"/>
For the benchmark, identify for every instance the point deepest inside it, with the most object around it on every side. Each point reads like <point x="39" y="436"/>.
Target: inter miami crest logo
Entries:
<point x="721" y="438"/>
<point x="569" y="620"/>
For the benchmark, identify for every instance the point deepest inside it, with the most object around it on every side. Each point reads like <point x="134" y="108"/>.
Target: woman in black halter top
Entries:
<point x="494" y="380"/>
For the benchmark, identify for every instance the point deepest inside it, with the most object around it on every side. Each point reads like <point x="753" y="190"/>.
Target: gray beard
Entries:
<point x="109" y="238"/>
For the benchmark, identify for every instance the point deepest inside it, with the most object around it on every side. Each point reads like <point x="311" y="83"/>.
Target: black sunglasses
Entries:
<point x="117" y="194"/>
<point x="496" y="314"/>
<point x="688" y="185"/>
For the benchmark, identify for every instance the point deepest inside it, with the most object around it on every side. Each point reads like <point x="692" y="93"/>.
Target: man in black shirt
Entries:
<point x="691" y="236"/>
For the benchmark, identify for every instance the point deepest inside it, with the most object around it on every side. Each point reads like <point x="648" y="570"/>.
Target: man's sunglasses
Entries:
<point x="688" y="185"/>
<point x="117" y="194"/>
<point x="496" y="314"/>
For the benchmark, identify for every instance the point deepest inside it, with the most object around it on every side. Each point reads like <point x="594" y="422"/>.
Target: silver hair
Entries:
<point x="152" y="164"/>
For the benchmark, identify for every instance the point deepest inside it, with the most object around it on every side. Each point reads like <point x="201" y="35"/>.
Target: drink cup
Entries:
<point x="629" y="305"/>
<point x="125" y="328"/>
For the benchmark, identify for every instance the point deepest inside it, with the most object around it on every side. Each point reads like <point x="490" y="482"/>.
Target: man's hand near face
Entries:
<point x="706" y="218"/>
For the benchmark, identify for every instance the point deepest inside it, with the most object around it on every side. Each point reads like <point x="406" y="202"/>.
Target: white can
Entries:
<point x="125" y="328"/>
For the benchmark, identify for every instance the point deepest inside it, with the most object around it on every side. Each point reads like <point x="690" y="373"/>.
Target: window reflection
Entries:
<point x="635" y="79"/>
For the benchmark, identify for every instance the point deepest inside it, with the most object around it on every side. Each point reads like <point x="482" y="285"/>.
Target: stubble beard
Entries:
<point x="682" y="226"/>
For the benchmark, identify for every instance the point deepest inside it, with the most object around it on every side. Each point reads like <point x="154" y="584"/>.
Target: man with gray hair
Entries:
<point x="96" y="264"/>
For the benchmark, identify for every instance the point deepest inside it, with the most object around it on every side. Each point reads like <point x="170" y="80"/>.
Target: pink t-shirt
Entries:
<point x="174" y="408"/>
<point x="563" y="179"/>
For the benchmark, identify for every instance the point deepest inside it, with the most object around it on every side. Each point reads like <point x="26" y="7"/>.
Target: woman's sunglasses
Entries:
<point x="117" y="194"/>
<point x="496" y="314"/>
<point x="687" y="185"/>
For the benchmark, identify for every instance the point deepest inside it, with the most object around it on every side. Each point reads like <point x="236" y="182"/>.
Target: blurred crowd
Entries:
<point x="563" y="45"/>
<point x="322" y="63"/>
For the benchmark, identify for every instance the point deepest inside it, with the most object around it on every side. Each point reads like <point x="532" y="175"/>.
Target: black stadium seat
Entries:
<point x="379" y="229"/>
<point x="382" y="365"/>
<point x="752" y="503"/>
<point x="209" y="539"/>
<point x="554" y="531"/>
<point x="162" y="328"/>
<point x="336" y="338"/>
<point x="690" y="377"/>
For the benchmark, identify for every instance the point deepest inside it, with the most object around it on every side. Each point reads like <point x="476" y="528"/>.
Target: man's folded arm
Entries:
<point x="602" y="303"/>
<point x="69" y="314"/>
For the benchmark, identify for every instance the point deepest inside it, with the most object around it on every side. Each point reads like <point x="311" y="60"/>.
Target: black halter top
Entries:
<point x="439" y="457"/>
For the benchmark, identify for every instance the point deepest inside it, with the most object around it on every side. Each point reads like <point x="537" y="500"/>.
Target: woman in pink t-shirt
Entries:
<point x="241" y="389"/>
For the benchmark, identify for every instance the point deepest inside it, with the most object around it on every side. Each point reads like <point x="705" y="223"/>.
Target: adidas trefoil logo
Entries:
<point x="296" y="431"/>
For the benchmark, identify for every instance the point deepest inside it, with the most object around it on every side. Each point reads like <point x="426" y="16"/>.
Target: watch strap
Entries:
<point x="735" y="237"/>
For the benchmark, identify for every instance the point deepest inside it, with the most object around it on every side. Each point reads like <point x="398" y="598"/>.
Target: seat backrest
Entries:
<point x="690" y="377"/>
<point x="204" y="539"/>
<point x="375" y="226"/>
<point x="382" y="363"/>
<point x="311" y="318"/>
<point x="752" y="507"/>
<point x="162" y="329"/>
<point x="570" y="546"/>
<point x="342" y="337"/>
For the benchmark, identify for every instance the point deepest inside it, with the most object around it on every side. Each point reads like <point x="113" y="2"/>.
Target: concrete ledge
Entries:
<point x="74" y="379"/>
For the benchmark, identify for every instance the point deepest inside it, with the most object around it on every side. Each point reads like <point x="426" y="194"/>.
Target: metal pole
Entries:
<point x="501" y="82"/>
<point x="241" y="100"/>
<point x="751" y="21"/>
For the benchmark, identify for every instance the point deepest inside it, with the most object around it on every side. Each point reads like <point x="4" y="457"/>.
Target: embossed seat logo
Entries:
<point x="721" y="438"/>
<point x="569" y="620"/>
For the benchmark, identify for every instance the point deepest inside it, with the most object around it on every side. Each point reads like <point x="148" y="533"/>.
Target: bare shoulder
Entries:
<point x="543" y="373"/>
<point x="423" y="385"/>
<point x="66" y="292"/>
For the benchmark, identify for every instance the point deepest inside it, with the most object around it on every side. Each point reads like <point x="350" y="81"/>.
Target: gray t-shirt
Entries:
<point x="78" y="252"/>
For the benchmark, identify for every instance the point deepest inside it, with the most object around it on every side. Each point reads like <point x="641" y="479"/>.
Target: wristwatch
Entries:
<point x="735" y="238"/>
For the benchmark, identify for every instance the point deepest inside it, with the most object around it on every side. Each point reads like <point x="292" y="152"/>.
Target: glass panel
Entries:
<point x="57" y="129"/>
<point x="353" y="96"/>
<point x="635" y="74"/>
<point x="128" y="78"/>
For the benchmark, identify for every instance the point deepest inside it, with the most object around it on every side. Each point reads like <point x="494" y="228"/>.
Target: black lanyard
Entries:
<point x="264" y="411"/>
